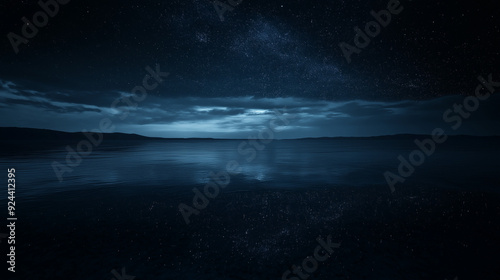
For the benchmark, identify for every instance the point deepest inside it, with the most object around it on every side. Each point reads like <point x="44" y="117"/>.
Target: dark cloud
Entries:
<point x="237" y="117"/>
<point x="355" y="109"/>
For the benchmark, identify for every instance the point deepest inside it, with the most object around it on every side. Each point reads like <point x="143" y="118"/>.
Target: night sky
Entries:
<point x="226" y="77"/>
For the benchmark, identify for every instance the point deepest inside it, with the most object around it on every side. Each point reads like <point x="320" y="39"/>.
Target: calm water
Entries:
<point x="119" y="208"/>
<point x="174" y="166"/>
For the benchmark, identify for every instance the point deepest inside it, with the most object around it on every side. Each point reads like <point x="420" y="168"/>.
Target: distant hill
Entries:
<point x="30" y="134"/>
<point x="18" y="141"/>
<point x="34" y="135"/>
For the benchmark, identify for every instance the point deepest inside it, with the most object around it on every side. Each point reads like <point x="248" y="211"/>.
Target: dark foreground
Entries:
<point x="119" y="210"/>
<point x="417" y="234"/>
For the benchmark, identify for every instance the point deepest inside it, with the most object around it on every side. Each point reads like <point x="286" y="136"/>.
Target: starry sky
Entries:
<point x="226" y="76"/>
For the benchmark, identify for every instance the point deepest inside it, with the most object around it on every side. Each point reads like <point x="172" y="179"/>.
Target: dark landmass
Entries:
<point x="12" y="134"/>
<point x="21" y="133"/>
<point x="19" y="141"/>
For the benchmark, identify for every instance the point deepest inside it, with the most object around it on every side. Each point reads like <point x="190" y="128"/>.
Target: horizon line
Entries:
<point x="212" y="138"/>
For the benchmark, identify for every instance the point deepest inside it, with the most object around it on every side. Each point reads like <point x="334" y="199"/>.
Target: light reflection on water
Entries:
<point x="120" y="208"/>
<point x="173" y="165"/>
